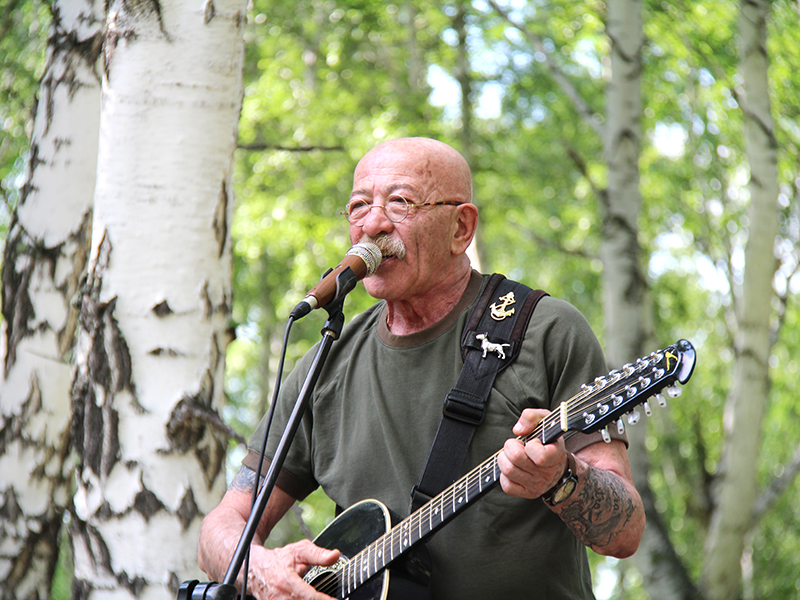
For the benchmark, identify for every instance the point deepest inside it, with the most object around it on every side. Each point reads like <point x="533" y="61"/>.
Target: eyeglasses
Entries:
<point x="396" y="209"/>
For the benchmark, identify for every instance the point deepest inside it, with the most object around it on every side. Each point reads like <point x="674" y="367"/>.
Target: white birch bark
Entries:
<point x="155" y="313"/>
<point x="625" y="297"/>
<point x="44" y="259"/>
<point x="624" y="287"/>
<point x="737" y="487"/>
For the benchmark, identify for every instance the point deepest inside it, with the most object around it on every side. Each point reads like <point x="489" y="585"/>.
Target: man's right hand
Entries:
<point x="276" y="574"/>
<point x="272" y="574"/>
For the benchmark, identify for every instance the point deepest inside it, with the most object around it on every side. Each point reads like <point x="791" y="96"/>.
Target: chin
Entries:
<point x="377" y="290"/>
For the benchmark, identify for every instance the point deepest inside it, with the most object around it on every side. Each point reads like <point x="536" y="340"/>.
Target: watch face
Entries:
<point x="565" y="491"/>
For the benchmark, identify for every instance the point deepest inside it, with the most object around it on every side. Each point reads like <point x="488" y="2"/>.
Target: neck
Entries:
<point x="405" y="317"/>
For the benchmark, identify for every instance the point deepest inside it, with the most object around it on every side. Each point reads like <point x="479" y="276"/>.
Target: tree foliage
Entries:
<point x="23" y="35"/>
<point x="327" y="79"/>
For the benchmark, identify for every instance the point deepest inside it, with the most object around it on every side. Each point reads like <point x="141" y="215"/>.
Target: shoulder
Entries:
<point x="559" y="320"/>
<point x="562" y="339"/>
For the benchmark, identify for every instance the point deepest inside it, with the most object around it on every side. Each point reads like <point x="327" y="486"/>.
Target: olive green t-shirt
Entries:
<point x="372" y="420"/>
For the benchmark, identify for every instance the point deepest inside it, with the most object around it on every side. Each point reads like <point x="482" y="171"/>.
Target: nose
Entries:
<point x="376" y="222"/>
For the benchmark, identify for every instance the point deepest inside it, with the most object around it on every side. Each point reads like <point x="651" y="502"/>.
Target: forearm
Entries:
<point x="222" y="528"/>
<point x="605" y="512"/>
<point x="219" y="536"/>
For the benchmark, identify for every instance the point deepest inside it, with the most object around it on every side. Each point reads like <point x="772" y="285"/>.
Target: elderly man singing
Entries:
<point x="377" y="406"/>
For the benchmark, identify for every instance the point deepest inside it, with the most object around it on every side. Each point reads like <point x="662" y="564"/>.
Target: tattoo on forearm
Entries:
<point x="602" y="510"/>
<point x="244" y="480"/>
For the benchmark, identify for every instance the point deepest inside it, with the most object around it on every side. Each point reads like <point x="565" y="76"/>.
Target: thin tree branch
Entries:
<point x="776" y="488"/>
<point x="582" y="167"/>
<point x="264" y="147"/>
<point x="543" y="242"/>
<point x="582" y="107"/>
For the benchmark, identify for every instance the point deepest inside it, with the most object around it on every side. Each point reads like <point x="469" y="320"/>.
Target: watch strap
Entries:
<point x="569" y="477"/>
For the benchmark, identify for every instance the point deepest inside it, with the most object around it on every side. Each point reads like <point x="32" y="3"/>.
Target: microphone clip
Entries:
<point x="346" y="281"/>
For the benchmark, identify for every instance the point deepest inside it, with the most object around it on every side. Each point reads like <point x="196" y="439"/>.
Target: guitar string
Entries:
<point x="593" y="394"/>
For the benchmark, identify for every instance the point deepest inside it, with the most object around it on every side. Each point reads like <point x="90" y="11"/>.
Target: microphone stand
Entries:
<point x="194" y="590"/>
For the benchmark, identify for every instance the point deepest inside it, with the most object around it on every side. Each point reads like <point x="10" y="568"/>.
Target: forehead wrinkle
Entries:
<point x="385" y="191"/>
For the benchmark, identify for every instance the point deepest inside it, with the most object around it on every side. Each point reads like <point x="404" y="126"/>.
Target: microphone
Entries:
<point x="363" y="259"/>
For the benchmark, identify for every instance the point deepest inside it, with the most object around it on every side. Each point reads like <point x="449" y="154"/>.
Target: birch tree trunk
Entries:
<point x="624" y="287"/>
<point x="626" y="306"/>
<point x="463" y="75"/>
<point x="43" y="262"/>
<point x="737" y="485"/>
<point x="154" y="319"/>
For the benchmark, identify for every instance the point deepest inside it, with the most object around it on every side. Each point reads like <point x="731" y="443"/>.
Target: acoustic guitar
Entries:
<point x="369" y="542"/>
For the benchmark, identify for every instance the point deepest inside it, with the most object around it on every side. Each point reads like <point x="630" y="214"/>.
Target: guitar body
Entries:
<point x="351" y="532"/>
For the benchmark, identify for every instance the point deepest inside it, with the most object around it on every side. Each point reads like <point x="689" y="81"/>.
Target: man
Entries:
<point x="378" y="403"/>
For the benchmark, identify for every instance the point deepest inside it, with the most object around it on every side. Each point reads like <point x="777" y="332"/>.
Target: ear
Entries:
<point x="464" y="226"/>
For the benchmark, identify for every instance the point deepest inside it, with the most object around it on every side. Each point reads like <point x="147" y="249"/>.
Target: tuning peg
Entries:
<point x="674" y="391"/>
<point x="606" y="436"/>
<point x="633" y="418"/>
<point x="662" y="402"/>
<point x="620" y="426"/>
<point x="647" y="411"/>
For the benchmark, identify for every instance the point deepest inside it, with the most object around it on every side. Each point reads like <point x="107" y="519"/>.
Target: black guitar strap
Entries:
<point x="491" y="340"/>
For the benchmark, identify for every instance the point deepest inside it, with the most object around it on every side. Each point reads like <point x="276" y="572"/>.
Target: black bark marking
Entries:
<point x="188" y="510"/>
<point x="220" y="223"/>
<point x="106" y="373"/>
<point x="147" y="503"/>
<point x="162" y="309"/>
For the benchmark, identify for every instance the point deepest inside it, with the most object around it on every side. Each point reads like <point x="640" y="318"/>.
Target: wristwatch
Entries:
<point x="566" y="485"/>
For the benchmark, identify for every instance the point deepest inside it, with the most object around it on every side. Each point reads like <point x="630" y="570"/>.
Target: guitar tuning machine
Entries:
<point x="606" y="436"/>
<point x="647" y="411"/>
<point x="634" y="417"/>
<point x="620" y="426"/>
<point x="674" y="391"/>
<point x="662" y="402"/>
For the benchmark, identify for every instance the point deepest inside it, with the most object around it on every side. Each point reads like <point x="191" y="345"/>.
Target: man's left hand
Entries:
<point x="529" y="470"/>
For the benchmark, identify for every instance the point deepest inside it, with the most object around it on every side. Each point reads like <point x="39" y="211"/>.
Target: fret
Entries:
<point x="436" y="511"/>
<point x="459" y="497"/>
<point x="351" y="573"/>
<point x="381" y="554"/>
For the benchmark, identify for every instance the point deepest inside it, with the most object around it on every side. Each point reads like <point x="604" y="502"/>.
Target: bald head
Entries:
<point x="438" y="167"/>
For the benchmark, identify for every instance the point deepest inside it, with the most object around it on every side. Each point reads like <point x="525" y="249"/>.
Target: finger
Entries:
<point x="528" y="420"/>
<point x="546" y="456"/>
<point x="307" y="554"/>
<point x="514" y="457"/>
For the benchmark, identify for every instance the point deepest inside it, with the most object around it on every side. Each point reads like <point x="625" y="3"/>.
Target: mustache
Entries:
<point x="388" y="245"/>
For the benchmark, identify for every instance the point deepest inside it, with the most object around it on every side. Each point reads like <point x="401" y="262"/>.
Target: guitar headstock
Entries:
<point x="611" y="397"/>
